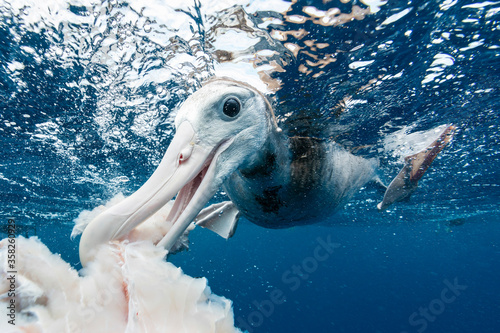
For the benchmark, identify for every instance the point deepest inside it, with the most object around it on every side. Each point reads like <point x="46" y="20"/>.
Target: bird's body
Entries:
<point x="299" y="181"/>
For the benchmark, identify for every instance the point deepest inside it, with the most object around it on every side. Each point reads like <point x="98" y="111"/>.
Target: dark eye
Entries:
<point x="231" y="107"/>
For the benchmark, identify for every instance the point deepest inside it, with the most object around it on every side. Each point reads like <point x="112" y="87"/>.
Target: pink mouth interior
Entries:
<point x="186" y="193"/>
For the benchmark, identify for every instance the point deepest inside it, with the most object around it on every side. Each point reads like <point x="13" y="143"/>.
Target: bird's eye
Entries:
<point x="231" y="107"/>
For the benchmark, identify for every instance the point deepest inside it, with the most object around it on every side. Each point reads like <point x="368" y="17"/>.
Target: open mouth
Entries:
<point x="188" y="169"/>
<point x="186" y="194"/>
<point x="193" y="196"/>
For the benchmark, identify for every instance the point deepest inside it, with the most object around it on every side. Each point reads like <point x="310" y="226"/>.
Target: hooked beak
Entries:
<point x="187" y="168"/>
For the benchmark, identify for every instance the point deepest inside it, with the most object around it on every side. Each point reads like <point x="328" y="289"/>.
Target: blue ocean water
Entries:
<point x="88" y="92"/>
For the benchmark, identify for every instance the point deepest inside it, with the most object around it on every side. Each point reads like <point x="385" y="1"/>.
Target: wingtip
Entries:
<point x="416" y="165"/>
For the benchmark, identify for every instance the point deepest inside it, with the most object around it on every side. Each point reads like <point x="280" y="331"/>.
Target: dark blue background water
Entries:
<point x="57" y="159"/>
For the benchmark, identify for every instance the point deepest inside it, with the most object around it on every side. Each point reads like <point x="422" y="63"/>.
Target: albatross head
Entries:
<point x="219" y="128"/>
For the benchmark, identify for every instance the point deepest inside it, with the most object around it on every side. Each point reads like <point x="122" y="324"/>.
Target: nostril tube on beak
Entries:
<point x="185" y="153"/>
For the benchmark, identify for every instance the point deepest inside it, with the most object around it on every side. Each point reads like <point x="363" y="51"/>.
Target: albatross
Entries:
<point x="227" y="136"/>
